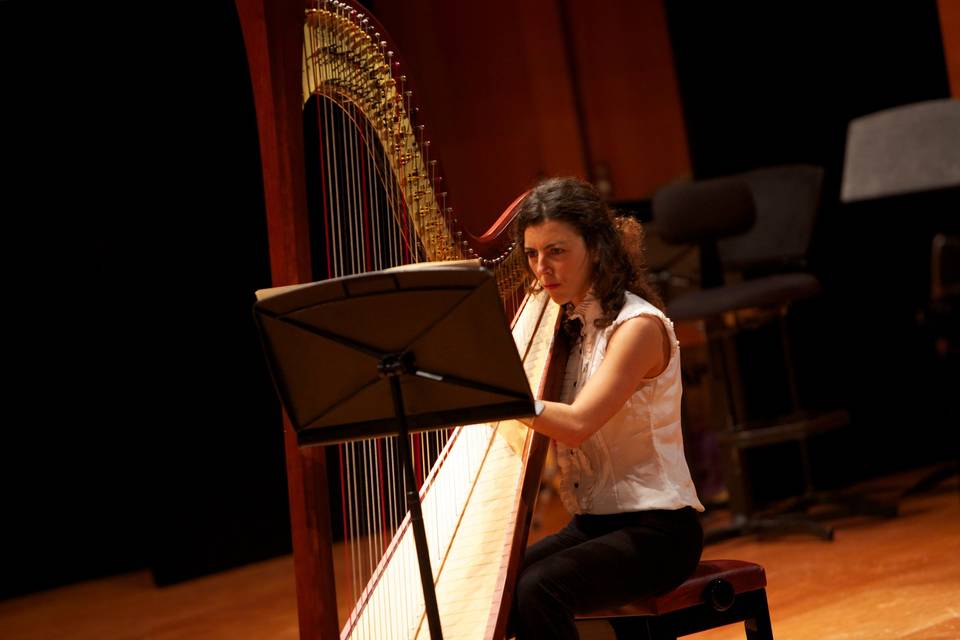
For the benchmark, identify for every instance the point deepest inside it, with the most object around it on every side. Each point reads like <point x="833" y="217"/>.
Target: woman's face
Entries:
<point x="558" y="257"/>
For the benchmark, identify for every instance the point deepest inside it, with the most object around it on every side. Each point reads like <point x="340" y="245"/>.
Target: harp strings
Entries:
<point x="362" y="221"/>
<point x="375" y="203"/>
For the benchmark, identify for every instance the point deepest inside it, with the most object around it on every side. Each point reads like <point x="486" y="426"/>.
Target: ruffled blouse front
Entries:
<point x="635" y="461"/>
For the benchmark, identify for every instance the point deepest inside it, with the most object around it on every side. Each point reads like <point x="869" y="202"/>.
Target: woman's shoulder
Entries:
<point x="637" y="307"/>
<point x="634" y="306"/>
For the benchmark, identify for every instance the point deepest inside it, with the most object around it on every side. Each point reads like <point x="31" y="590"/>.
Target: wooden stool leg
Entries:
<point x="758" y="627"/>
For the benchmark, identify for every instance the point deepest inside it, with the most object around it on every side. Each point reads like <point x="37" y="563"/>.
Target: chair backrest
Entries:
<point x="787" y="201"/>
<point x="703" y="211"/>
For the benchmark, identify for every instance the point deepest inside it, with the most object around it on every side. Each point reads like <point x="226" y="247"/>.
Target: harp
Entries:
<point x="350" y="186"/>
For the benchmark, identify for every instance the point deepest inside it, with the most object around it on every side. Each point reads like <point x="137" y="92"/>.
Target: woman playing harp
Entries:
<point x="635" y="530"/>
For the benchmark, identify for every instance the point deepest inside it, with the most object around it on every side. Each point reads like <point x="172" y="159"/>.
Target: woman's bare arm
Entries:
<point x="637" y="350"/>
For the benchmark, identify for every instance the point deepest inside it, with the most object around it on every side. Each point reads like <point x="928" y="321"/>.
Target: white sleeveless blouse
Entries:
<point x="634" y="462"/>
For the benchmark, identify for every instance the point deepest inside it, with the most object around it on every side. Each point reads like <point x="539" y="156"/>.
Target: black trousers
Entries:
<point x="600" y="561"/>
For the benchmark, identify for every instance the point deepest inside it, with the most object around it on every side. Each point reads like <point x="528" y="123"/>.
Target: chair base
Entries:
<point x="743" y="525"/>
<point x="840" y="505"/>
<point x="793" y="517"/>
<point x="932" y="479"/>
<point x="801" y="515"/>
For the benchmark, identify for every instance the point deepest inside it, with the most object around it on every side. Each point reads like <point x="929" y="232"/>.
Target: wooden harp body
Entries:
<point x="349" y="188"/>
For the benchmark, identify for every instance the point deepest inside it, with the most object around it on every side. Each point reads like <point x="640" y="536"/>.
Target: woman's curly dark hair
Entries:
<point x="614" y="243"/>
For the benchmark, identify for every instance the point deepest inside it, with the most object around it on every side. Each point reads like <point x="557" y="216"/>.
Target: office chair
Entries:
<point x="760" y="224"/>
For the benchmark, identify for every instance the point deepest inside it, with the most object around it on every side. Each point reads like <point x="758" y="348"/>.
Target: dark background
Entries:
<point x="141" y="427"/>
<point x="777" y="84"/>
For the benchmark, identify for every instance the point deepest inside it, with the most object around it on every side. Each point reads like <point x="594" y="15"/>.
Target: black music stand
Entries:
<point x="907" y="159"/>
<point x="391" y="352"/>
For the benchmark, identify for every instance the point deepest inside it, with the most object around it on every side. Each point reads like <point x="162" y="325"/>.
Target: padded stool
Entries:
<point x="719" y="592"/>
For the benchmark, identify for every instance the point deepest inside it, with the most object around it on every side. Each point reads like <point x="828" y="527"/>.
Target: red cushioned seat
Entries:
<point x="719" y="592"/>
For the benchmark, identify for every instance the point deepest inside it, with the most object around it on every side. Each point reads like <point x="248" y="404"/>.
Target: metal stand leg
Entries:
<point x="416" y="517"/>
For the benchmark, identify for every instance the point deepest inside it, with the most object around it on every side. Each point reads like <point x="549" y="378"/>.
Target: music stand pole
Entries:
<point x="392" y="367"/>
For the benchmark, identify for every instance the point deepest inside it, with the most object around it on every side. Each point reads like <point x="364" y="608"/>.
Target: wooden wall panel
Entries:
<point x="628" y="89"/>
<point x="552" y="91"/>
<point x="493" y="94"/>
<point x="950" y="28"/>
<point x="498" y="98"/>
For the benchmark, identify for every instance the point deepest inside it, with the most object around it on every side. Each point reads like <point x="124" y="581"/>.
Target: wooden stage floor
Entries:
<point x="879" y="579"/>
